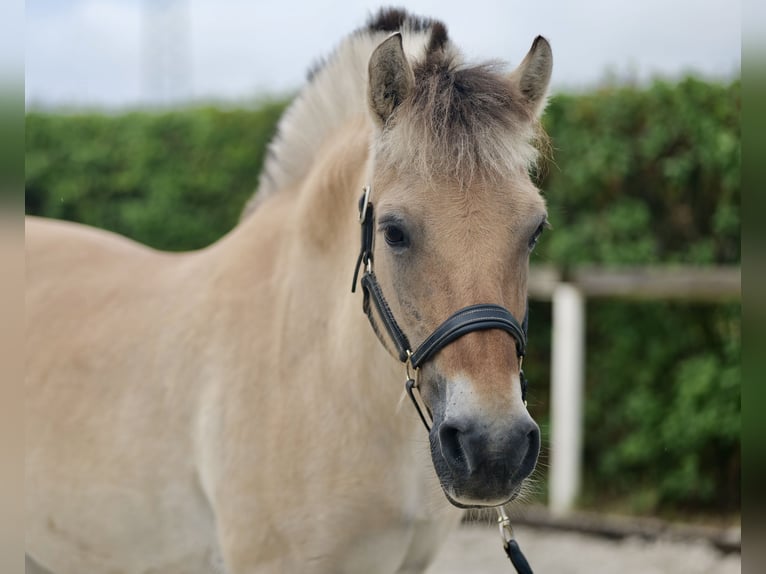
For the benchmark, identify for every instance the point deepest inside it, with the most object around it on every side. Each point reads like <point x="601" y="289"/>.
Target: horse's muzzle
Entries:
<point x="480" y="465"/>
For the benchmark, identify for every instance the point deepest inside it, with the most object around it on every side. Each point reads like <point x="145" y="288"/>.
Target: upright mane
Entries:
<point x="455" y="107"/>
<point x="336" y="91"/>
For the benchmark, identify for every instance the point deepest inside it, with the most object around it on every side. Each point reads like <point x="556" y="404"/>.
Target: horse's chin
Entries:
<point x="467" y="504"/>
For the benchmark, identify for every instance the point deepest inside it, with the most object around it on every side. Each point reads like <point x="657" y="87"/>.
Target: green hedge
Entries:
<point x="651" y="176"/>
<point x="638" y="176"/>
<point x="645" y="176"/>
<point x="175" y="180"/>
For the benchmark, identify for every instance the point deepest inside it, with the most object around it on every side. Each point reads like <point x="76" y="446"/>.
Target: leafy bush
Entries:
<point x="645" y="176"/>
<point x="639" y="176"/>
<point x="175" y="180"/>
<point x="652" y="177"/>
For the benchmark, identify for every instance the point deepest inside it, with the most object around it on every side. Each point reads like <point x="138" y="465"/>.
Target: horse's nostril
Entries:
<point x="452" y="449"/>
<point x="533" y="450"/>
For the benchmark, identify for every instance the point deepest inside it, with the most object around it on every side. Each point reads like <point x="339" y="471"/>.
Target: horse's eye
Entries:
<point x="537" y="234"/>
<point x="395" y="236"/>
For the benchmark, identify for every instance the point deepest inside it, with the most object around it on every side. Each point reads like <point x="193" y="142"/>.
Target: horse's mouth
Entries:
<point x="474" y="504"/>
<point x="487" y="483"/>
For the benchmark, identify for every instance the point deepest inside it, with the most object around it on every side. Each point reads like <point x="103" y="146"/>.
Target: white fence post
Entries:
<point x="567" y="388"/>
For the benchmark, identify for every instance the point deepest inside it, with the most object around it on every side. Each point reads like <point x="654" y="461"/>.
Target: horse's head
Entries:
<point x="456" y="217"/>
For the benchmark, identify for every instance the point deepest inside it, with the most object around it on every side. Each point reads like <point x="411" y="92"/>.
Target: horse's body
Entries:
<point x="231" y="407"/>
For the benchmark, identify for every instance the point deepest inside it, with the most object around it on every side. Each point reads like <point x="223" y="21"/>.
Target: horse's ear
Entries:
<point x="534" y="74"/>
<point x="391" y="78"/>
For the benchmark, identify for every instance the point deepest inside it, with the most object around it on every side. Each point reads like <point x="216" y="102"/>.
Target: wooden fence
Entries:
<point x="568" y="290"/>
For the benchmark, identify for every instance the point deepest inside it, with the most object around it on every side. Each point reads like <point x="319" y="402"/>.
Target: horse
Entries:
<point x="231" y="409"/>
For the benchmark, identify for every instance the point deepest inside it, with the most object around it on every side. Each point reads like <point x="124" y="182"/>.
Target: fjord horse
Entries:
<point x="231" y="409"/>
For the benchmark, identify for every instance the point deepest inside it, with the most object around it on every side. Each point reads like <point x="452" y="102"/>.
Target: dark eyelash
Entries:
<point x="538" y="232"/>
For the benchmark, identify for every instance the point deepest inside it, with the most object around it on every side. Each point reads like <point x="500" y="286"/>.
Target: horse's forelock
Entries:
<point x="462" y="123"/>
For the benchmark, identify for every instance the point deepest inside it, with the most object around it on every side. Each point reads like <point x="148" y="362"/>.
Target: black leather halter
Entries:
<point x="466" y="320"/>
<point x="462" y="322"/>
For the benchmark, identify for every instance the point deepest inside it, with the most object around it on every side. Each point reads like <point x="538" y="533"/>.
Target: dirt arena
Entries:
<point x="477" y="550"/>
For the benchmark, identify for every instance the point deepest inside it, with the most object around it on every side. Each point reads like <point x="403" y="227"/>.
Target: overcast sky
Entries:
<point x="109" y="53"/>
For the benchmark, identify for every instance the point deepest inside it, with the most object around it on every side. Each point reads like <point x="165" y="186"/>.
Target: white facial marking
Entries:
<point x="461" y="399"/>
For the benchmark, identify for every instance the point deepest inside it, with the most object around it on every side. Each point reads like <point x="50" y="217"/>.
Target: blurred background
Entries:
<point x="151" y="118"/>
<point x="108" y="53"/>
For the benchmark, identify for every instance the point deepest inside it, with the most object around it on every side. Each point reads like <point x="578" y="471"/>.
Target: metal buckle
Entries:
<point x="365" y="201"/>
<point x="522" y="380"/>
<point x="408" y="366"/>
<point x="411" y="386"/>
<point x="504" y="523"/>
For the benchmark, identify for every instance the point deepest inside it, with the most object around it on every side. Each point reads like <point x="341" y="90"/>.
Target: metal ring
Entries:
<point x="407" y="365"/>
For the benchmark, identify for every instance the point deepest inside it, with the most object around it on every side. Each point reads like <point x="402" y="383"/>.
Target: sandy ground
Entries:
<point x="477" y="549"/>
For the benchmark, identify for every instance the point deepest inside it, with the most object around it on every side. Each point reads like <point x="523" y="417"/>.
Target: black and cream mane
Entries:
<point x="459" y="109"/>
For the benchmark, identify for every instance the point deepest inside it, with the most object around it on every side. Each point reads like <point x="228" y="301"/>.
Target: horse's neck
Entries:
<point x="306" y="240"/>
<point x="336" y="93"/>
<point x="301" y="362"/>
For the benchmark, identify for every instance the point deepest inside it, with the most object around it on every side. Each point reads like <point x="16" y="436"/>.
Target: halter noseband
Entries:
<point x="466" y="320"/>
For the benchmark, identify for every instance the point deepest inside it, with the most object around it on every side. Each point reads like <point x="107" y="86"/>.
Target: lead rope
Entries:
<point x="510" y="545"/>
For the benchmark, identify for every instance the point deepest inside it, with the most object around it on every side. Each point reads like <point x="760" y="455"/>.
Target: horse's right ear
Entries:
<point x="391" y="78"/>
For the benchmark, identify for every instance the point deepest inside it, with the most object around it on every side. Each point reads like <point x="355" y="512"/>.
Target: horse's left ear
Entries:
<point x="534" y="74"/>
<point x="391" y="78"/>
